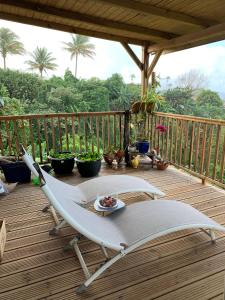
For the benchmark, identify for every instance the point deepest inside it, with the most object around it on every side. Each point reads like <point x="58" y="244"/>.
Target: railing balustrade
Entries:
<point x="194" y="144"/>
<point x="75" y="132"/>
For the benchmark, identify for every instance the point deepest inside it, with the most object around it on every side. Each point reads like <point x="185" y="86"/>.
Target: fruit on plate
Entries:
<point x="108" y="202"/>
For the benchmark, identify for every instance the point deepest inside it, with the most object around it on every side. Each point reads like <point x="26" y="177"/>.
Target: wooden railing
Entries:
<point x="74" y="132"/>
<point x="194" y="144"/>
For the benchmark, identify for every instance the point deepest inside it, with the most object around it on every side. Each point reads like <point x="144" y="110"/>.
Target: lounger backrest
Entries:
<point x="29" y="161"/>
<point x="65" y="191"/>
<point x="98" y="229"/>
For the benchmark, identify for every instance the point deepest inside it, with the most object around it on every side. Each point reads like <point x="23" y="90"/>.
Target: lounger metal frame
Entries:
<point x="124" y="249"/>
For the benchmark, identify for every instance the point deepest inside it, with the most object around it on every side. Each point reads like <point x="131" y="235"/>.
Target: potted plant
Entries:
<point x="15" y="170"/>
<point x="142" y="108"/>
<point x="149" y="101"/>
<point x="89" y="164"/>
<point x="112" y="154"/>
<point x="162" y="164"/>
<point x="62" y="162"/>
<point x="142" y="140"/>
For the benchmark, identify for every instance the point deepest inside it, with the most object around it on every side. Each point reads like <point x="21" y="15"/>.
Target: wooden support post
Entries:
<point x="126" y="136"/>
<point x="144" y="72"/>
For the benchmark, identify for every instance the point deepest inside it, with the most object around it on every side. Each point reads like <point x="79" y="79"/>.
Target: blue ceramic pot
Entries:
<point x="143" y="147"/>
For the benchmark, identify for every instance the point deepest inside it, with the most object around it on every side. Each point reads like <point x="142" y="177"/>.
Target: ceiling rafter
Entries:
<point x="149" y="9"/>
<point x="201" y="36"/>
<point x="50" y="10"/>
<point x="69" y="28"/>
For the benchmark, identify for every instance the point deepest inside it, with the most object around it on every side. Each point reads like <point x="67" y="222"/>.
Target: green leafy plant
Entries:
<point x="152" y="96"/>
<point x="64" y="155"/>
<point x="89" y="156"/>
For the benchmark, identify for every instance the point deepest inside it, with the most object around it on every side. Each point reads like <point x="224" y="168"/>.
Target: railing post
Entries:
<point x="126" y="136"/>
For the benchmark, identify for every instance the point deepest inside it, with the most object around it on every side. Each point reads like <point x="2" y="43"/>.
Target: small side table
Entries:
<point x="120" y="204"/>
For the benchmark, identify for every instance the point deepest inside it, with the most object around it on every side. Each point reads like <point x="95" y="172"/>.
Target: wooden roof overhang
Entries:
<point x="159" y="26"/>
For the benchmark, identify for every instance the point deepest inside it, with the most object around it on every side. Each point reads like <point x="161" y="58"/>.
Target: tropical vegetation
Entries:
<point x="79" y="45"/>
<point x="9" y="44"/>
<point x="42" y="61"/>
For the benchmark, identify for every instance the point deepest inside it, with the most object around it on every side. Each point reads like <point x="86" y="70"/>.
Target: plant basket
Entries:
<point x="16" y="172"/>
<point x="142" y="106"/>
<point x="162" y="165"/>
<point x="2" y="238"/>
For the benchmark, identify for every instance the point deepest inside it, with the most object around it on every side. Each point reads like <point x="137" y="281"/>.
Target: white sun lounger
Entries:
<point x="128" y="228"/>
<point x="86" y="192"/>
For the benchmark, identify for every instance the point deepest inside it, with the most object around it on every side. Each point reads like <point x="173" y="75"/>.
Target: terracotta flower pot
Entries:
<point x="109" y="157"/>
<point x="162" y="165"/>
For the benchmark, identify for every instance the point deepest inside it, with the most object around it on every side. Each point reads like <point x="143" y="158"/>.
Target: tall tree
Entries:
<point x="9" y="44"/>
<point x="79" y="46"/>
<point x="192" y="80"/>
<point x="42" y="60"/>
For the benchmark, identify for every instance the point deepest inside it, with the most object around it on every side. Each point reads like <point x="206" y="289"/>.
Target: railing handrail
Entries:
<point x="53" y="115"/>
<point x="191" y="118"/>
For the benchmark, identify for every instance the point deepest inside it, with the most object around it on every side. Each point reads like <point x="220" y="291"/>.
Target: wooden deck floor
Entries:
<point x="182" y="266"/>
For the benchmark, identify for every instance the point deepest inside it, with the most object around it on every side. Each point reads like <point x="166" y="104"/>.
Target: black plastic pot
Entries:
<point x="88" y="168"/>
<point x="62" y="166"/>
<point x="16" y="172"/>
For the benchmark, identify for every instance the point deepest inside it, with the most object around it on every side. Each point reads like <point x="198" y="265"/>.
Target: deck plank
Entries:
<point x="175" y="266"/>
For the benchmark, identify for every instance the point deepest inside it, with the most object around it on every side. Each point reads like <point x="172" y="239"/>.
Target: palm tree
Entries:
<point x="9" y="44"/>
<point x="42" y="60"/>
<point x="79" y="46"/>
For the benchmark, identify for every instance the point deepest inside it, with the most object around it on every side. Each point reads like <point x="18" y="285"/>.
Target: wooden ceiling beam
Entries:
<point x="133" y="55"/>
<point x="196" y="44"/>
<point x="149" y="9"/>
<point x="199" y="37"/>
<point x="69" y="28"/>
<point x="71" y="15"/>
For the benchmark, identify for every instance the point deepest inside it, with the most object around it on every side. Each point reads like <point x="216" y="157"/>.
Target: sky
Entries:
<point x="111" y="58"/>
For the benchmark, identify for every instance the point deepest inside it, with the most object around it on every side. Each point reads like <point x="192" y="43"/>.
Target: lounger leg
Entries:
<point x="74" y="243"/>
<point x="54" y="231"/>
<point x="81" y="260"/>
<point x="69" y="246"/>
<point x="104" y="251"/>
<point x="211" y="234"/>
<point x="56" y="219"/>
<point x="46" y="208"/>
<point x="104" y="267"/>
